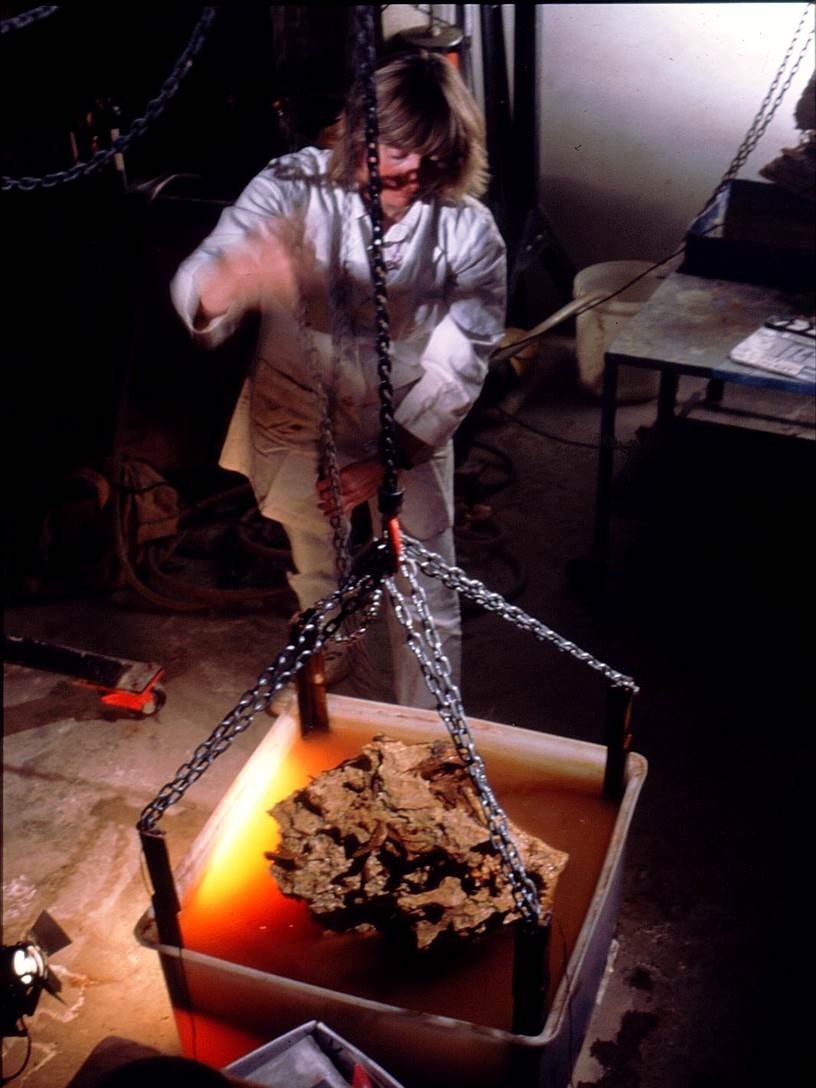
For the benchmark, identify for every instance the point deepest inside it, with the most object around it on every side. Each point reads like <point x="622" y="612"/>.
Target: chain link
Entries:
<point x="339" y="304"/>
<point x="325" y="392"/>
<point x="312" y="630"/>
<point x="366" y="62"/>
<point x="155" y="107"/>
<point x="455" y="578"/>
<point x="436" y="672"/>
<point x="327" y="449"/>
<point x="763" y="118"/>
<point x="26" y="18"/>
<point x="354" y="632"/>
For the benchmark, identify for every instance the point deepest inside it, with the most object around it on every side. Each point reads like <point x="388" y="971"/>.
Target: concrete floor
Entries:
<point x="703" y="604"/>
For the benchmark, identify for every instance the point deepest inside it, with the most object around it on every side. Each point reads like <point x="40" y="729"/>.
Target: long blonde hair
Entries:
<point x="423" y="107"/>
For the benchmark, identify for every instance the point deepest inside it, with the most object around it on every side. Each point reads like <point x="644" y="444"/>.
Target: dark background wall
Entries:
<point x="92" y="349"/>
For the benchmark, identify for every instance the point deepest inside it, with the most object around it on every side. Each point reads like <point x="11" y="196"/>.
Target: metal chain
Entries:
<point x="325" y="391"/>
<point x="341" y="303"/>
<point x="363" y="590"/>
<point x="366" y="61"/>
<point x="26" y="18"/>
<point x="139" y="126"/>
<point x="327" y="449"/>
<point x="338" y="305"/>
<point x="763" y="119"/>
<point x="313" y="629"/>
<point x="436" y="672"/>
<point x="354" y="632"/>
<point x="455" y="578"/>
<point x="362" y="593"/>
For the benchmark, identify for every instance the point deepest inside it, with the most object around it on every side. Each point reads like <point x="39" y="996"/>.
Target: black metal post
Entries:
<point x="667" y="397"/>
<point x="715" y="389"/>
<point x="498" y="119"/>
<point x="618" y="740"/>
<point x="166" y="909"/>
<point x="523" y="167"/>
<point x="165" y="901"/>
<point x="606" y="460"/>
<point x="531" y="977"/>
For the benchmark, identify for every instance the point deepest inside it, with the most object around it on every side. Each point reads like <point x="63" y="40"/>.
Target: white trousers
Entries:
<point x="316" y="577"/>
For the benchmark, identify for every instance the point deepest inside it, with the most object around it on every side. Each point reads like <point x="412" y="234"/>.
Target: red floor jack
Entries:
<point x="126" y="685"/>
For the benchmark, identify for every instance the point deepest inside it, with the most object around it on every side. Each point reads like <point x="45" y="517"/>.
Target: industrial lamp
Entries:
<point x="24" y="973"/>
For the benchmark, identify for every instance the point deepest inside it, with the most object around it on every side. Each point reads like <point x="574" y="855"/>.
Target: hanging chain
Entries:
<point x="312" y="630"/>
<point x="339" y="303"/>
<point x="363" y="589"/>
<point x="366" y="60"/>
<point x="354" y="628"/>
<point x="327" y="449"/>
<point x="455" y="578"/>
<point x="361" y="593"/>
<point x="767" y="109"/>
<point x="26" y="18"/>
<point x="348" y="631"/>
<point x="325" y="391"/>
<point x="139" y="126"/>
<point x="436" y="672"/>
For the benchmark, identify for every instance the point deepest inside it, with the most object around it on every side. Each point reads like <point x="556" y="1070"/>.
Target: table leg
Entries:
<point x="606" y="458"/>
<point x="715" y="388"/>
<point x="667" y="397"/>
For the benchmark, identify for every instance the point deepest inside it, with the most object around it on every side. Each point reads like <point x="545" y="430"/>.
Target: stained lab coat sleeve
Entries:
<point x="261" y="203"/>
<point x="455" y="358"/>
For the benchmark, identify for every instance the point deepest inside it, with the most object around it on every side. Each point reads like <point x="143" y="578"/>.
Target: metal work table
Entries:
<point x="687" y="327"/>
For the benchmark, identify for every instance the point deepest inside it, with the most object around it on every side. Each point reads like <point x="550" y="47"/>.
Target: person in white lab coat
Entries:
<point x="294" y="247"/>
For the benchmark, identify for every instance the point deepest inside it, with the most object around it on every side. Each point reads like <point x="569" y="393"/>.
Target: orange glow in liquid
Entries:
<point x="236" y="913"/>
<point x="237" y="898"/>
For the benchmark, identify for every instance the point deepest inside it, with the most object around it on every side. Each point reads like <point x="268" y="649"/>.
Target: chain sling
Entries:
<point x="365" y="581"/>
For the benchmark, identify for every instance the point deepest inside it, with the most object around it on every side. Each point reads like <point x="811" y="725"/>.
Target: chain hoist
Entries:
<point x="327" y="449"/>
<point x="390" y="494"/>
<point x="373" y="574"/>
<point x="435" y="668"/>
<point x="325" y="390"/>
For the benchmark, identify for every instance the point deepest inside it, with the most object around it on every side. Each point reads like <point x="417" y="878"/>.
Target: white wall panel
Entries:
<point x="642" y="108"/>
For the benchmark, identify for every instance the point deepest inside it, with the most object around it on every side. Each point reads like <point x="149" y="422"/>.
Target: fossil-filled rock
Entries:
<point x="395" y="840"/>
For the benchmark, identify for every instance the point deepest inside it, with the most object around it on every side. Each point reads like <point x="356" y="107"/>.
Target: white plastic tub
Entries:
<point x="255" y="966"/>
<point x="598" y="327"/>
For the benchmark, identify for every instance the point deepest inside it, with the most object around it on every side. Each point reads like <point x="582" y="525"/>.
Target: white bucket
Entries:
<point x="598" y="327"/>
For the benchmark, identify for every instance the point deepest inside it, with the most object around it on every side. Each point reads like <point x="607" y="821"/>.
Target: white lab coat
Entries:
<point x="445" y="275"/>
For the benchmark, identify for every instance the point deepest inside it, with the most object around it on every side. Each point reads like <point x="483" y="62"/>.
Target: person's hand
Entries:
<point x="359" y="482"/>
<point x="266" y="268"/>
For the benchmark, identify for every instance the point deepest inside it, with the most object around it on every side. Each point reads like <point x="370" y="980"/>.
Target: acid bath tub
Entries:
<point x="251" y="964"/>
